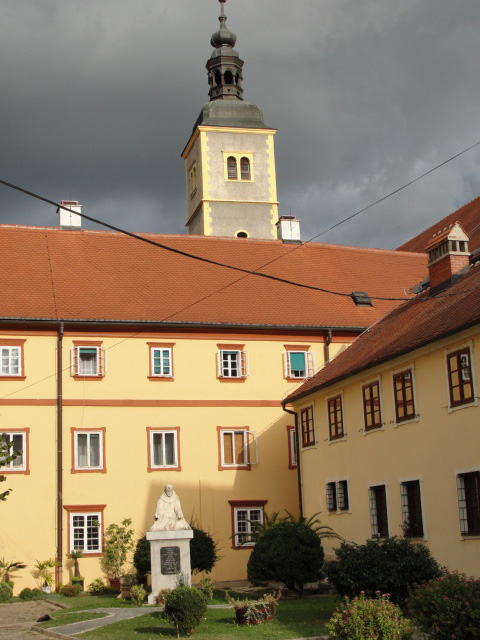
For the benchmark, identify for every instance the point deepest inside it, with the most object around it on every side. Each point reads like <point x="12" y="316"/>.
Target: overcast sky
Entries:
<point x="98" y="99"/>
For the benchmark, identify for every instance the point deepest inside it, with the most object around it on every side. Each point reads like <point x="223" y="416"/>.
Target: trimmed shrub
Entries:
<point x="376" y="619"/>
<point x="289" y="552"/>
<point x="203" y="554"/>
<point x="6" y="592"/>
<point x="185" y="607"/>
<point x="390" y="565"/>
<point x="37" y="593"/>
<point x="71" y="590"/>
<point x="137" y="594"/>
<point x="448" y="607"/>
<point x="26" y="594"/>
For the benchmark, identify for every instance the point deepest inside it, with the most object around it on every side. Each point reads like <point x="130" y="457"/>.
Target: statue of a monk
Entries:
<point x="168" y="513"/>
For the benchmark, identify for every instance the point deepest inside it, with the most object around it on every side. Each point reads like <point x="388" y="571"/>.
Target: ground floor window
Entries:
<point x="85" y="527"/>
<point x="378" y="511"/>
<point x="468" y="491"/>
<point x="412" y="519"/>
<point x="247" y="517"/>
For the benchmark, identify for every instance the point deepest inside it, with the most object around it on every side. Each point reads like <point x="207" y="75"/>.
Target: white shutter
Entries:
<point x="310" y="364"/>
<point x="245" y="364"/>
<point x="253" y="441"/>
<point x="73" y="361"/>
<point x="103" y="361"/>
<point x="286" y="364"/>
<point x="219" y="364"/>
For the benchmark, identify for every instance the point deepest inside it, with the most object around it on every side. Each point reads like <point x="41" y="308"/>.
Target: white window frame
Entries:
<point x="248" y="522"/>
<point x="243" y="369"/>
<point x="88" y="433"/>
<point x="292" y="446"/>
<point x="101" y="354"/>
<point x="170" y="362"/>
<point x="10" y="349"/>
<point x="309" y="364"/>
<point x="246" y="462"/>
<point x="98" y="516"/>
<point x="164" y="432"/>
<point x="10" y="467"/>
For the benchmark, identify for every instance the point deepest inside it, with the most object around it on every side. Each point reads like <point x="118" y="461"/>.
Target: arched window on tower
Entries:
<point x="218" y="78"/>
<point x="245" y="168"/>
<point x="232" y="168"/>
<point x="228" y="77"/>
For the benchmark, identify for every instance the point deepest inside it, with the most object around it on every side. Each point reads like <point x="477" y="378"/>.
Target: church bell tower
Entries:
<point x="230" y="159"/>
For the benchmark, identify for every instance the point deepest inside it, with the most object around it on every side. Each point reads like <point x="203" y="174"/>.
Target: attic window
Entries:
<point x="361" y="299"/>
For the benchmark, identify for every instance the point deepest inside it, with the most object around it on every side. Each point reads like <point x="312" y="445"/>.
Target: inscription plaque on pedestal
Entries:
<point x="169" y="560"/>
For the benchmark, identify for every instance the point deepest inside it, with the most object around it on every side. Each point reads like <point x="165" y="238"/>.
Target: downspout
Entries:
<point x="328" y="342"/>
<point x="297" y="447"/>
<point x="59" y="568"/>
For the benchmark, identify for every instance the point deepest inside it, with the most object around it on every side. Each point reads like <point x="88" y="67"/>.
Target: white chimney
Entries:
<point x="70" y="219"/>
<point x="288" y="229"/>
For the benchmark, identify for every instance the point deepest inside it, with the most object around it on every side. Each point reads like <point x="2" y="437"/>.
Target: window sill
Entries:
<point x="238" y="379"/>
<point x="406" y="421"/>
<point x="88" y="471"/>
<point x="246" y="547"/>
<point x="299" y="379"/>
<point x="235" y="467"/>
<point x="18" y="472"/>
<point x="311" y="445"/>
<point x="155" y="469"/>
<point x="13" y="377"/>
<point x="339" y="512"/>
<point x="465" y="405"/>
<point x="367" y="432"/>
<point x="469" y="536"/>
<point x="88" y="378"/>
<point x="89" y="554"/>
<point x="335" y="440"/>
<point x="161" y="378"/>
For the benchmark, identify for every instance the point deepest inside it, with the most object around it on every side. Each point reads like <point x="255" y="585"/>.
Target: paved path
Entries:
<point x="113" y="615"/>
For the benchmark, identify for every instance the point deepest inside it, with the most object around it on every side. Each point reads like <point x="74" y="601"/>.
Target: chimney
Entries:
<point x="288" y="230"/>
<point x="70" y="219"/>
<point x="447" y="255"/>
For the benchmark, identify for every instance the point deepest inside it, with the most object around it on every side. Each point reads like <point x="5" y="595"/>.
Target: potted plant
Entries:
<point x="77" y="578"/>
<point x="127" y="580"/>
<point x="43" y="571"/>
<point x="118" y="544"/>
<point x="255" y="611"/>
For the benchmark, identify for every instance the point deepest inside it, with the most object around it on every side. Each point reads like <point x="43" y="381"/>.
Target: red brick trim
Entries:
<point x="160" y="345"/>
<point x="14" y="342"/>
<point x="296" y="347"/>
<point x="230" y="347"/>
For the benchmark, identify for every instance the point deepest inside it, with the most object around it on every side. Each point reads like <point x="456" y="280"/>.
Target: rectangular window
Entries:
<point x="85" y="529"/>
<point x="246" y="521"/>
<point x="460" y="381"/>
<point x="88" y="361"/>
<point x="403" y="390"/>
<point x="299" y="364"/>
<point x="11" y="361"/>
<point x="331" y="496"/>
<point x="342" y="495"/>
<point x="163" y="449"/>
<point x="378" y="511"/>
<point x="88" y="449"/>
<point x="233" y="448"/>
<point x="468" y="491"/>
<point x="232" y="363"/>
<point x="307" y="426"/>
<point x="161" y="364"/>
<point x="335" y="417"/>
<point x="18" y="441"/>
<point x="292" y="448"/>
<point x="412" y="519"/>
<point x="371" y="406"/>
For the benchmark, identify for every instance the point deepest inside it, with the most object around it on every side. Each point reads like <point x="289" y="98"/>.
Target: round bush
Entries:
<point x="390" y="565"/>
<point x="6" y="592"/>
<point x="377" y="619"/>
<point x="289" y="552"/>
<point x="26" y="594"/>
<point x="71" y="590"/>
<point x="185" y="607"/>
<point x="37" y="593"/>
<point x="448" y="607"/>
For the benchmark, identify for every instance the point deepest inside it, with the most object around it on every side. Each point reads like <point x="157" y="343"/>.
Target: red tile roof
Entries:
<point x="413" y="324"/>
<point x="50" y="273"/>
<point x="468" y="216"/>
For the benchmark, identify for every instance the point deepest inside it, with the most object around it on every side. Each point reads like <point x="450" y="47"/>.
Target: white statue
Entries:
<point x="168" y="513"/>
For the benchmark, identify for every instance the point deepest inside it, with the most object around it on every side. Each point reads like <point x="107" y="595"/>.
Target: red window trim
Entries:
<point x="151" y="469"/>
<point x="88" y="343"/>
<point x="74" y="430"/>
<point x="311" y="442"/>
<point x="410" y="416"/>
<point x="374" y="425"/>
<point x="251" y="504"/>
<point x="233" y="467"/>
<point x="13" y="342"/>
<point x="297" y="347"/>
<point x="160" y="345"/>
<point x="291" y="465"/>
<point x="85" y="508"/>
<point x="26" y="471"/>
<point x="456" y="354"/>
<point x="336" y="435"/>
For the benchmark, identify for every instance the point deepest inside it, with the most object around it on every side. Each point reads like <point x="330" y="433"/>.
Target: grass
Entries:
<point x="293" y="619"/>
<point x="69" y="617"/>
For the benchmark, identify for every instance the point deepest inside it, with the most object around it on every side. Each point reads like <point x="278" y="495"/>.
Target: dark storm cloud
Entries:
<point x="98" y="100"/>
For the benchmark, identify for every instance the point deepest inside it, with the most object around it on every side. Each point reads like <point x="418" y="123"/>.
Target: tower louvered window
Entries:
<point x="245" y="168"/>
<point x="232" y="168"/>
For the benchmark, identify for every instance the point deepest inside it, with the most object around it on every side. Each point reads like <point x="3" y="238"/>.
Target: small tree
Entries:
<point x="6" y="568"/>
<point x="118" y="541"/>
<point x="287" y="551"/>
<point x="7" y="455"/>
<point x="76" y="555"/>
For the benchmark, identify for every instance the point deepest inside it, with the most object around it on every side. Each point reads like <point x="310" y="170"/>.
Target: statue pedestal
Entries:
<point x="170" y="557"/>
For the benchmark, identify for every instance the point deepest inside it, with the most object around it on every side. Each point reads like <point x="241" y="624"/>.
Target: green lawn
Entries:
<point x="68" y="617"/>
<point x="294" y="619"/>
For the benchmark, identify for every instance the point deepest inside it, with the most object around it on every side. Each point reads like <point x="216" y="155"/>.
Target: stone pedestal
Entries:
<point x="170" y="558"/>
